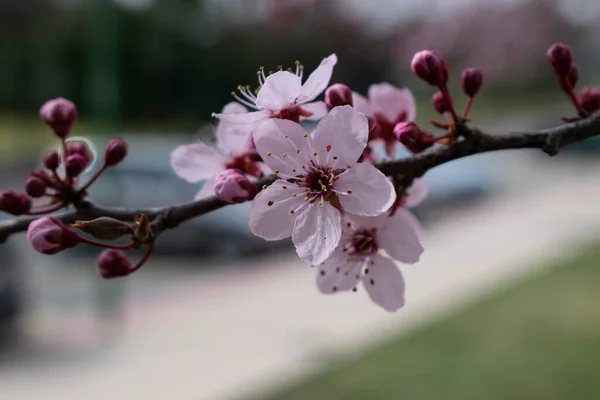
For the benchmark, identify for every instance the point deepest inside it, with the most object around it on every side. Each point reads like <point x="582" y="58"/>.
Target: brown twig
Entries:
<point x="472" y="142"/>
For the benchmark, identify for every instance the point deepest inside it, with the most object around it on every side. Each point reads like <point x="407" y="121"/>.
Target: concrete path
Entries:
<point x="246" y="331"/>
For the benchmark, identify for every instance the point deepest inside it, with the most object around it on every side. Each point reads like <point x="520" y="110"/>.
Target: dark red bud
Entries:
<point x="113" y="264"/>
<point x="412" y="137"/>
<point x="338" y="95"/>
<point x="75" y="165"/>
<point x="59" y="114"/>
<point x="471" y="81"/>
<point x="374" y="128"/>
<point x="589" y="99"/>
<point x="430" y="67"/>
<point x="35" y="187"/>
<point x="116" y="151"/>
<point x="439" y="103"/>
<point x="14" y="203"/>
<point x="561" y="58"/>
<point x="79" y="147"/>
<point x="51" y="160"/>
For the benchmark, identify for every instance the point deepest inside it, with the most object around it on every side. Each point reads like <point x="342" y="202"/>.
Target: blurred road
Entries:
<point x="243" y="329"/>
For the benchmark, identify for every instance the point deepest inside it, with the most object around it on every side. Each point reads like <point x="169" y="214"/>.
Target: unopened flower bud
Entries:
<point x="74" y="165"/>
<point x="561" y="58"/>
<point x="116" y="151"/>
<point x="471" y="81"/>
<point x="51" y="160"/>
<point x="49" y="235"/>
<point x="412" y="137"/>
<point x="14" y="203"/>
<point x="59" y="114"/>
<point x="439" y="102"/>
<point x="338" y="95"/>
<point x="81" y="148"/>
<point x="430" y="67"/>
<point x="589" y="99"/>
<point x="573" y="75"/>
<point x="374" y="128"/>
<point x="35" y="187"/>
<point x="113" y="264"/>
<point x="104" y="228"/>
<point x="232" y="186"/>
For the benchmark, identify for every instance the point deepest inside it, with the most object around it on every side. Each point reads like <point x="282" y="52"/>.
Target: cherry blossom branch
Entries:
<point x="472" y="141"/>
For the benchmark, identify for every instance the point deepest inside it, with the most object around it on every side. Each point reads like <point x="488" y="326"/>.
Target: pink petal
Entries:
<point x="318" y="81"/>
<point x="410" y="218"/>
<point x="318" y="108"/>
<point x="197" y="161"/>
<point x="247" y="118"/>
<point x="361" y="104"/>
<point x="362" y="222"/>
<point x="317" y="232"/>
<point x="233" y="107"/>
<point x="206" y="190"/>
<point x="384" y="283"/>
<point x="274" y="222"/>
<point x="279" y="91"/>
<point x="233" y="138"/>
<point x="278" y="141"/>
<point x="371" y="193"/>
<point x="400" y="237"/>
<point x="416" y="193"/>
<point x="339" y="272"/>
<point x="343" y="133"/>
<point x="390" y="101"/>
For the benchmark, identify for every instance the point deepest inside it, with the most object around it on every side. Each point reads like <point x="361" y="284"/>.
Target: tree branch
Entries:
<point x="472" y="141"/>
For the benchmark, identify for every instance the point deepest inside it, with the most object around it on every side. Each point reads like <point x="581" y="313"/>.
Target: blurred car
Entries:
<point x="145" y="179"/>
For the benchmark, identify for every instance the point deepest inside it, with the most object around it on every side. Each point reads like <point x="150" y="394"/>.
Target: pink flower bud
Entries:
<point x="74" y="165"/>
<point x="51" y="160"/>
<point x="35" y="187"/>
<point x="338" y="95"/>
<point x="439" y="103"/>
<point x="430" y="67"/>
<point x="232" y="186"/>
<point x="412" y="137"/>
<point x="374" y="128"/>
<point x="573" y="75"/>
<point x="78" y="147"/>
<point x="14" y="203"/>
<point x="49" y="235"/>
<point x="113" y="264"/>
<point x="116" y="151"/>
<point x="561" y="58"/>
<point x="471" y="81"/>
<point x="59" y="114"/>
<point x="589" y="99"/>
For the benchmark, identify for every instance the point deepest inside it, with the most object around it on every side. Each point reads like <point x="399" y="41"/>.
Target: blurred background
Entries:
<point x="504" y="303"/>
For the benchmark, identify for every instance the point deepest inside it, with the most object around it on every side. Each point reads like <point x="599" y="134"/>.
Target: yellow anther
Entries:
<point x="291" y="211"/>
<point x="290" y="69"/>
<point x="284" y="187"/>
<point x="323" y="187"/>
<point x="261" y="68"/>
<point x="306" y="198"/>
<point x="305" y="135"/>
<point x="286" y="136"/>
<point x="293" y="170"/>
<point x="276" y="171"/>
<point x="320" y="204"/>
<point x="284" y="155"/>
<point x="298" y="151"/>
<point x="349" y="191"/>
<point x="301" y="66"/>
<point x="297" y="62"/>
<point x="264" y="186"/>
<point x="240" y="87"/>
<point x="348" y="166"/>
<point x="315" y="154"/>
<point x="269" y="153"/>
<point x="293" y="194"/>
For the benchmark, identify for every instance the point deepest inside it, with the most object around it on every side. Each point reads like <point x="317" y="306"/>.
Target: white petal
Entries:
<point x="244" y="118"/>
<point x="206" y="190"/>
<point x="233" y="138"/>
<point x="275" y="138"/>
<point x="400" y="237"/>
<point x="317" y="232"/>
<point x="234" y="107"/>
<point x="344" y="131"/>
<point x="279" y="91"/>
<point x="384" y="283"/>
<point x="339" y="273"/>
<point x="318" y="108"/>
<point x="361" y="104"/>
<point x="416" y="193"/>
<point x="197" y="161"/>
<point x="371" y="192"/>
<point x="318" y="81"/>
<point x="362" y="222"/>
<point x="274" y="222"/>
<point x="391" y="101"/>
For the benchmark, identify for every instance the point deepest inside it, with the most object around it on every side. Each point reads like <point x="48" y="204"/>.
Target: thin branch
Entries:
<point x="472" y="142"/>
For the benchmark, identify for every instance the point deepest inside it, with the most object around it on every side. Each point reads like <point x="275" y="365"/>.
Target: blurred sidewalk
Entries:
<point x="244" y="331"/>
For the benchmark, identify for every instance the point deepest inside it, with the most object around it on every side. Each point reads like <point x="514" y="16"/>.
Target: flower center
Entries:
<point x="363" y="243"/>
<point x="319" y="181"/>
<point x="244" y="164"/>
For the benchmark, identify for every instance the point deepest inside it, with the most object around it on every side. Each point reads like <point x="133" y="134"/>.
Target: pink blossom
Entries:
<point x="389" y="105"/>
<point x="49" y="235"/>
<point x="283" y="95"/>
<point x="198" y="161"/>
<point x="319" y="177"/>
<point x="232" y="186"/>
<point x="357" y="258"/>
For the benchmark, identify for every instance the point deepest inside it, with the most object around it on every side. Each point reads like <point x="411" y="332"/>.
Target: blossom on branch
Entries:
<point x="319" y="178"/>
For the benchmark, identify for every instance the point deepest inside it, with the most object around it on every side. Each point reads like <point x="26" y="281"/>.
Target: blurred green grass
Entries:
<point x="538" y="340"/>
